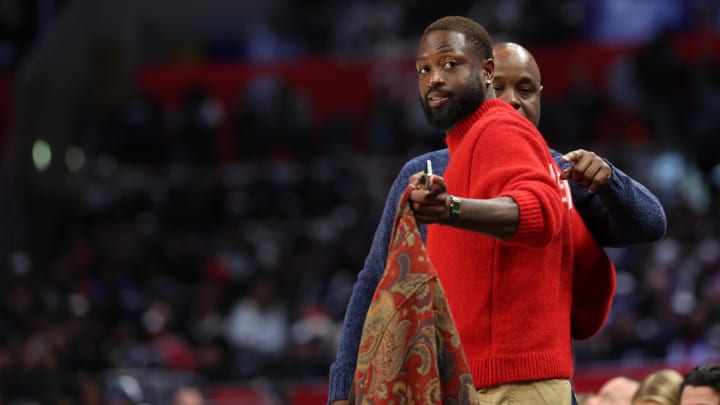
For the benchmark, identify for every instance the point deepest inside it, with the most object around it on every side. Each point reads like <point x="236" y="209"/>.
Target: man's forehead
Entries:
<point x="698" y="393"/>
<point x="522" y="77"/>
<point x="438" y="41"/>
<point x="526" y="70"/>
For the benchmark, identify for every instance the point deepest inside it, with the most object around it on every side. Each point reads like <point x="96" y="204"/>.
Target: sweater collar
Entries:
<point x="459" y="131"/>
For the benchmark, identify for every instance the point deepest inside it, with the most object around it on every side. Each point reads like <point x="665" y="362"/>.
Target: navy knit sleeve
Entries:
<point x="622" y="212"/>
<point x="343" y="369"/>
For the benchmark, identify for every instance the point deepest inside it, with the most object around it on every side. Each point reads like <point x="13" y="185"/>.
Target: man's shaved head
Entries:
<point x="517" y="79"/>
<point x="516" y="54"/>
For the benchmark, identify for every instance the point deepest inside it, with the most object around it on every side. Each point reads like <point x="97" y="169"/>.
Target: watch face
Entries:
<point x="454" y="208"/>
<point x="456" y="203"/>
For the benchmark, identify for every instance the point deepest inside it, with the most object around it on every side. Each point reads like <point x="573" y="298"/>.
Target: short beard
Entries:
<point x="461" y="106"/>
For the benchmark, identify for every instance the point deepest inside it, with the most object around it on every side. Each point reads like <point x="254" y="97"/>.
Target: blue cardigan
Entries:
<point x="621" y="213"/>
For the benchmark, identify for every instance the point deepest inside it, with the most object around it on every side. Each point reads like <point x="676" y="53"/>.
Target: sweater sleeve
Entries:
<point x="622" y="212"/>
<point x="343" y="369"/>
<point x="593" y="285"/>
<point x="511" y="159"/>
<point x="592" y="295"/>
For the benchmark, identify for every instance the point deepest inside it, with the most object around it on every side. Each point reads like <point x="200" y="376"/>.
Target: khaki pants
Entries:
<point x="550" y="392"/>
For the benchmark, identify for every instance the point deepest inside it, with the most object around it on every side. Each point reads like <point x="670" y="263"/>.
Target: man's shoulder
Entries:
<point x="437" y="157"/>
<point x="497" y="111"/>
<point x="504" y="118"/>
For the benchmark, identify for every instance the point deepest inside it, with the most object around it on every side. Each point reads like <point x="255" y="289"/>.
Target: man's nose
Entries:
<point x="436" y="79"/>
<point x="511" y="98"/>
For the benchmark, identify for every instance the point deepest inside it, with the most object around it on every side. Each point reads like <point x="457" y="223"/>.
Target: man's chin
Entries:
<point x="442" y="122"/>
<point x="439" y="117"/>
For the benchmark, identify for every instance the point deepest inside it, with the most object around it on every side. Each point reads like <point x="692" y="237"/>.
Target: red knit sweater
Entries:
<point x="511" y="300"/>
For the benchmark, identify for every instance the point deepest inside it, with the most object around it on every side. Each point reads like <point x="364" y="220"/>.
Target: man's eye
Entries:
<point x="498" y="87"/>
<point x="423" y="70"/>
<point x="449" y="64"/>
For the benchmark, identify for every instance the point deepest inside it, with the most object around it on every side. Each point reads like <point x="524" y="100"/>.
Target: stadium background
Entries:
<point x="170" y="166"/>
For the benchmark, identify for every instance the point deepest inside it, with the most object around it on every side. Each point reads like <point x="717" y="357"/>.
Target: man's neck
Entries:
<point x="490" y="92"/>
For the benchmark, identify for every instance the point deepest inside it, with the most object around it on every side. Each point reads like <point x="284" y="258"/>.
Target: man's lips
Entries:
<point x="436" y="99"/>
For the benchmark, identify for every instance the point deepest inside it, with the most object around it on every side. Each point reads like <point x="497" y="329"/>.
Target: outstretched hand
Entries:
<point x="587" y="169"/>
<point x="429" y="204"/>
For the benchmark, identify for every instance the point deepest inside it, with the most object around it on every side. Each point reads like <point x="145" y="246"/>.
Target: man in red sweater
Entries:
<point x="500" y="221"/>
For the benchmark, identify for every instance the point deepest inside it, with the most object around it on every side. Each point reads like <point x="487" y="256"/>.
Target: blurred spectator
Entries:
<point x="616" y="391"/>
<point x="272" y="116"/>
<point x="199" y="121"/>
<point x="701" y="385"/>
<point x="665" y="108"/>
<point x="385" y="132"/>
<point x="188" y="396"/>
<point x="125" y="390"/>
<point x="165" y="348"/>
<point x="367" y="27"/>
<point x="257" y="329"/>
<point x="206" y="320"/>
<point x="213" y="359"/>
<point x="659" y="388"/>
<point x="581" y="107"/>
<point x="583" y="398"/>
<point x="312" y="343"/>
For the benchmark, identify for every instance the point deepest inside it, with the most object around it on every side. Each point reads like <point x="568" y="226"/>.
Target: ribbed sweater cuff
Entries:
<point x="532" y="222"/>
<point x="340" y="382"/>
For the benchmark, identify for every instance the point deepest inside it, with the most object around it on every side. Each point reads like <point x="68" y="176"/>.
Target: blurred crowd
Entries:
<point x="281" y="29"/>
<point x="156" y="254"/>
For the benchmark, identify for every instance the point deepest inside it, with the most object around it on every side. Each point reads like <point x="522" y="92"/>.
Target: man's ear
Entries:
<point x="489" y="70"/>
